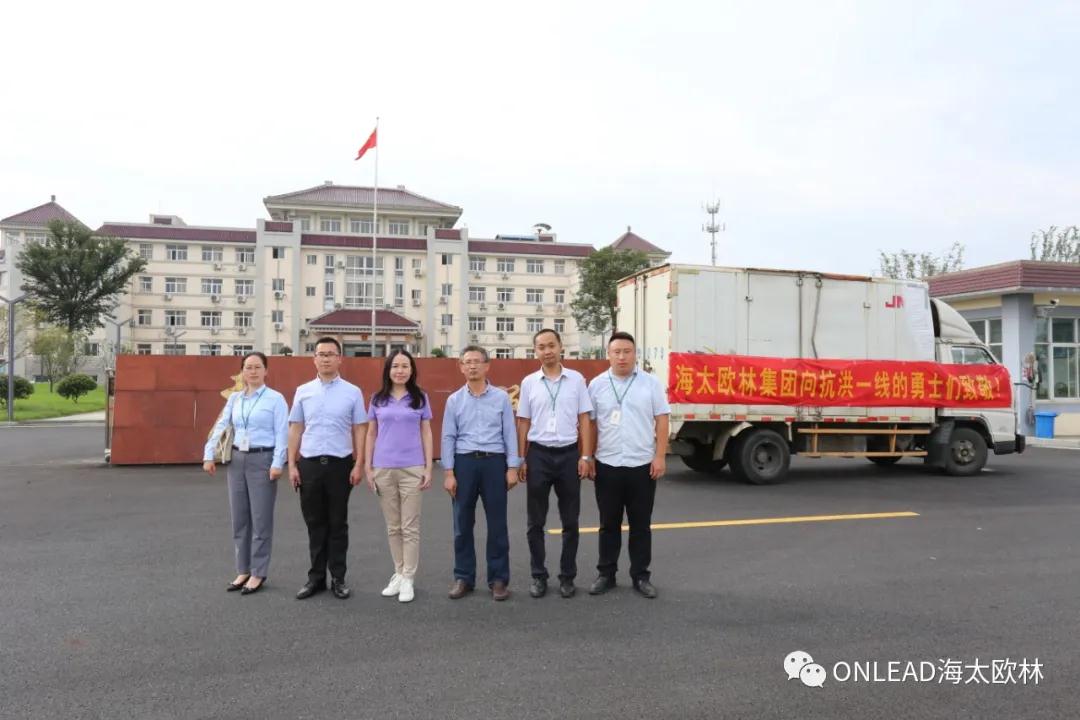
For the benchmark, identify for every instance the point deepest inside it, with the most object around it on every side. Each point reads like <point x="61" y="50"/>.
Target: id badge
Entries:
<point x="242" y="441"/>
<point x="551" y="424"/>
<point x="615" y="417"/>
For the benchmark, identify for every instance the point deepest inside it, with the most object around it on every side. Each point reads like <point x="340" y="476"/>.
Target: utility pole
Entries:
<point x="712" y="227"/>
<point x="11" y="354"/>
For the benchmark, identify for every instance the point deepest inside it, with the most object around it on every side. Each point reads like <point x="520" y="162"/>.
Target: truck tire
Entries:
<point x="967" y="452"/>
<point x="701" y="461"/>
<point x="760" y="457"/>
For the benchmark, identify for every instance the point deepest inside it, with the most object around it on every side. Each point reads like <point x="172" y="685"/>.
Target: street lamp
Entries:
<point x="118" y="324"/>
<point x="11" y="354"/>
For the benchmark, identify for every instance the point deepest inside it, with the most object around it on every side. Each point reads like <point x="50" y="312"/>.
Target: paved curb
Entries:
<point x="1061" y="443"/>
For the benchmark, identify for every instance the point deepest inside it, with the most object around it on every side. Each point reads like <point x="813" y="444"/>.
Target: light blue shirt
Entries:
<point x="262" y="416"/>
<point x="564" y="399"/>
<point x="632" y="441"/>
<point x="483" y="423"/>
<point x="328" y="410"/>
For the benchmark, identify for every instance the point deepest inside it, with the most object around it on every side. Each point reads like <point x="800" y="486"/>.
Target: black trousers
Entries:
<point x="628" y="489"/>
<point x="324" y="501"/>
<point x="553" y="468"/>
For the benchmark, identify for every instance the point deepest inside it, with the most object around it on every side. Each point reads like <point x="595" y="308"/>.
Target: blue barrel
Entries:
<point x="1044" y="424"/>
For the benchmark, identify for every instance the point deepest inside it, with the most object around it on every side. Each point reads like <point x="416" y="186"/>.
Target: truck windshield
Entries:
<point x="967" y="355"/>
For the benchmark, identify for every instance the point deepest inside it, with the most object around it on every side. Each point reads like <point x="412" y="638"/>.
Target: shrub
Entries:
<point x="75" y="386"/>
<point x="23" y="388"/>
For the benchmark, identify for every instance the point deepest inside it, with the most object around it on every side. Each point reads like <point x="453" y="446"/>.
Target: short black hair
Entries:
<point x="254" y="353"/>
<point x="327" y="340"/>
<point x="548" y="330"/>
<point x="476" y="349"/>
<point x="620" y="335"/>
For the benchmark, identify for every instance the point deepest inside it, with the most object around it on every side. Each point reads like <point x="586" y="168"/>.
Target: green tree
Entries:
<point x="904" y="265"/>
<point x="75" y="386"/>
<point x="437" y="353"/>
<point x="23" y="389"/>
<point x="56" y="348"/>
<point x="21" y="325"/>
<point x="74" y="277"/>
<point x="594" y="307"/>
<point x="1056" y="244"/>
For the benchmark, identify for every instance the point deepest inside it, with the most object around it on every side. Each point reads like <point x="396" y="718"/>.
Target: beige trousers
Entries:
<point x="400" y="498"/>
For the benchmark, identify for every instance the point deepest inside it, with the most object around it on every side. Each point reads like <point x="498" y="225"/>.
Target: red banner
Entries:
<point x="746" y="380"/>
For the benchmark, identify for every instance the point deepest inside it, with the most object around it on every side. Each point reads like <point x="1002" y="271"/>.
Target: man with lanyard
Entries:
<point x="553" y="410"/>
<point x="631" y="413"/>
<point x="480" y="458"/>
<point x="326" y="454"/>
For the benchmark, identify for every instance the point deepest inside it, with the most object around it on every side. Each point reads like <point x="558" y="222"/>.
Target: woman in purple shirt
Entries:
<point x="398" y="464"/>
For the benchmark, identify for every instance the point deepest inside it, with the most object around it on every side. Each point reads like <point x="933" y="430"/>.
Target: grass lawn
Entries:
<point x="43" y="404"/>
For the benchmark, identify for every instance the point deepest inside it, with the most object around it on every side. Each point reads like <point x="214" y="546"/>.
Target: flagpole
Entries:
<point x="375" y="242"/>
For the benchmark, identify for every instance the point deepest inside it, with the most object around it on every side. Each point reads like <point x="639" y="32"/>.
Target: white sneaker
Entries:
<point x="406" y="591"/>
<point x="394" y="587"/>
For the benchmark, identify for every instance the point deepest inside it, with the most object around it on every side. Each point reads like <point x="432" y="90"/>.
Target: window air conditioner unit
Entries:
<point x="303" y="332"/>
<point x="506" y="276"/>
<point x="169" y="330"/>
<point x="215" y="298"/>
<point x="483" y="307"/>
<point x="217" y="266"/>
<point x="477" y="274"/>
<point x="443" y="300"/>
<point x="242" y="267"/>
<point x="417" y="272"/>
<point x="502" y="336"/>
<point x="540" y="309"/>
<point x="167" y="297"/>
<point x="279" y="326"/>
<point x="502" y="306"/>
<point x="416" y="302"/>
<point x="474" y="337"/>
<point x="241" y="299"/>
<point x="279" y="294"/>
<point x="214" y="330"/>
<point x="337" y="306"/>
<point x="340" y="265"/>
<point x="241" y="331"/>
<point x="444" y="329"/>
<point x="388" y="306"/>
<point x="559" y="307"/>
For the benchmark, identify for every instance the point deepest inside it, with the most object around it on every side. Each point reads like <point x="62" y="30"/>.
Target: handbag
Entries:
<point x="223" y="449"/>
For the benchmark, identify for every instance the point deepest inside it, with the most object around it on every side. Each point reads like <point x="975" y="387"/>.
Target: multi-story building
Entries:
<point x="311" y="270"/>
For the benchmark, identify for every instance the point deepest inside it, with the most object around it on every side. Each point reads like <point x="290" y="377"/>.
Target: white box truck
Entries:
<point x="761" y="364"/>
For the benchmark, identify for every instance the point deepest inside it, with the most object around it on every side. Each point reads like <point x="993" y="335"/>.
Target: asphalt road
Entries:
<point x="113" y="601"/>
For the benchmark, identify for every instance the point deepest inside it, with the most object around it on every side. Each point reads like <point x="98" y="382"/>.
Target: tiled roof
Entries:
<point x="167" y="232"/>
<point x="632" y="241"/>
<point x="1015" y="275"/>
<point x="362" y="319"/>
<point x="509" y="247"/>
<point x="41" y="215"/>
<point x="359" y="241"/>
<point x="361" y="197"/>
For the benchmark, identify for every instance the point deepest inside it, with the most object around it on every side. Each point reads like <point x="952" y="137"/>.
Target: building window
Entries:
<point x="1058" y="355"/>
<point x="278" y="253"/>
<point x="534" y="325"/>
<point x="362" y="227"/>
<point x="211" y="286"/>
<point x="210" y="349"/>
<point x="477" y="264"/>
<point x="504" y="294"/>
<point x="477" y="323"/>
<point x="277" y="316"/>
<point x="328" y="261"/>
<point x="504" y="324"/>
<point x="398" y="227"/>
<point x="477" y="294"/>
<point x="143" y="349"/>
<point x="245" y="256"/>
<point x="305" y="223"/>
<point x="416" y="296"/>
<point x="505" y="265"/>
<point x="447" y="290"/>
<point x="328" y="289"/>
<point x="534" y="296"/>
<point x="175" y="285"/>
<point x="174" y="349"/>
<point x="176" y="252"/>
<point x="560" y="325"/>
<point x="530" y="354"/>
<point x="417" y="264"/>
<point x="241" y="350"/>
<point x="363" y="281"/>
<point x="144" y="317"/>
<point x="447" y="259"/>
<point x="212" y="253"/>
<point x="312" y="259"/>
<point x="309" y="347"/>
<point x="277" y="284"/>
<point x="447" y="320"/>
<point x="244" y="319"/>
<point x="422" y="229"/>
<point x="146" y="251"/>
<point x="535" y="267"/>
<point x="210" y="318"/>
<point x="503" y="353"/>
<point x="146" y="283"/>
<point x="309" y="291"/>
<point x="330" y="225"/>
<point x="91" y="349"/>
<point x="275" y="348"/>
<point x="176" y="318"/>
<point x="989" y="331"/>
<point x="245" y="288"/>
<point x="560" y="296"/>
<point x="559" y="267"/>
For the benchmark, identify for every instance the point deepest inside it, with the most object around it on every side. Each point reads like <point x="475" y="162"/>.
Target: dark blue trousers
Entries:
<point x="481" y="479"/>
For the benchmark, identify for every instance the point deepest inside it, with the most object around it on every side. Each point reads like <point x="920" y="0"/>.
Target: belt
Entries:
<point x="254" y="449"/>
<point x="555" y="448"/>
<point x="479" y="454"/>
<point x="327" y="459"/>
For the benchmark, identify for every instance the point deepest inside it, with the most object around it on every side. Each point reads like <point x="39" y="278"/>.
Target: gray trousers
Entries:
<point x="251" y="500"/>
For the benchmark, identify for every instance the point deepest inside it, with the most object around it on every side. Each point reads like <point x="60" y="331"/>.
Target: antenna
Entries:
<point x="712" y="227"/>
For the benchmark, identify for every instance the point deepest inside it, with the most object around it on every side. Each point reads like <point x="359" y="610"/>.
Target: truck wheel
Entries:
<point x="701" y="460"/>
<point x="967" y="452"/>
<point x="884" y="461"/>
<point x="760" y="457"/>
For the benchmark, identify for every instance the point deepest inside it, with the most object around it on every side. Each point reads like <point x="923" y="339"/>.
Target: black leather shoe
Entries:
<point x="310" y="588"/>
<point x="233" y="587"/>
<point x="538" y="588"/>
<point x="252" y="590"/>
<point x="601" y="585"/>
<point x="567" y="589"/>
<point x="645" y="589"/>
<point x="340" y="589"/>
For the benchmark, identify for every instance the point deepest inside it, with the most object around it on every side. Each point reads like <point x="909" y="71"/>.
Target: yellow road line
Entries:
<point x="760" y="521"/>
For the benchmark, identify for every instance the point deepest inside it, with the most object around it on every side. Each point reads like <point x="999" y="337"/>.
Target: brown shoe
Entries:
<point x="499" y="591"/>
<point x="459" y="590"/>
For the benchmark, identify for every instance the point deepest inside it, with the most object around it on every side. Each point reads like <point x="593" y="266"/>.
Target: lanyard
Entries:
<point x="618" y="399"/>
<point x="558" y="387"/>
<point x="243" y="400"/>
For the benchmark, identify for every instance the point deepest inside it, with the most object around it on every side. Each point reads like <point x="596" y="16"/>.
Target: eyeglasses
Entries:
<point x="326" y="355"/>
<point x="471" y="363"/>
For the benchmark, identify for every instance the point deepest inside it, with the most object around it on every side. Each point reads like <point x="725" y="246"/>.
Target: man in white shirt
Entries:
<point x="553" y="412"/>
<point x="631" y="412"/>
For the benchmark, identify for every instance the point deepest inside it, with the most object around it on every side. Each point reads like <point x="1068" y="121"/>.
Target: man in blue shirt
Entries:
<point x="326" y="454"/>
<point x="480" y="457"/>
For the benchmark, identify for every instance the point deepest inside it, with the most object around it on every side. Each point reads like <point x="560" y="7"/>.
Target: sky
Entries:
<point x="828" y="131"/>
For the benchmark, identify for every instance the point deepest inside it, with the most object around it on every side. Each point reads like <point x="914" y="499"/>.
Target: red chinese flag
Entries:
<point x="368" y="145"/>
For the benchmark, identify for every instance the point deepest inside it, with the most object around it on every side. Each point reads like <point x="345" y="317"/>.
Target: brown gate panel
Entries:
<point x="165" y="406"/>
